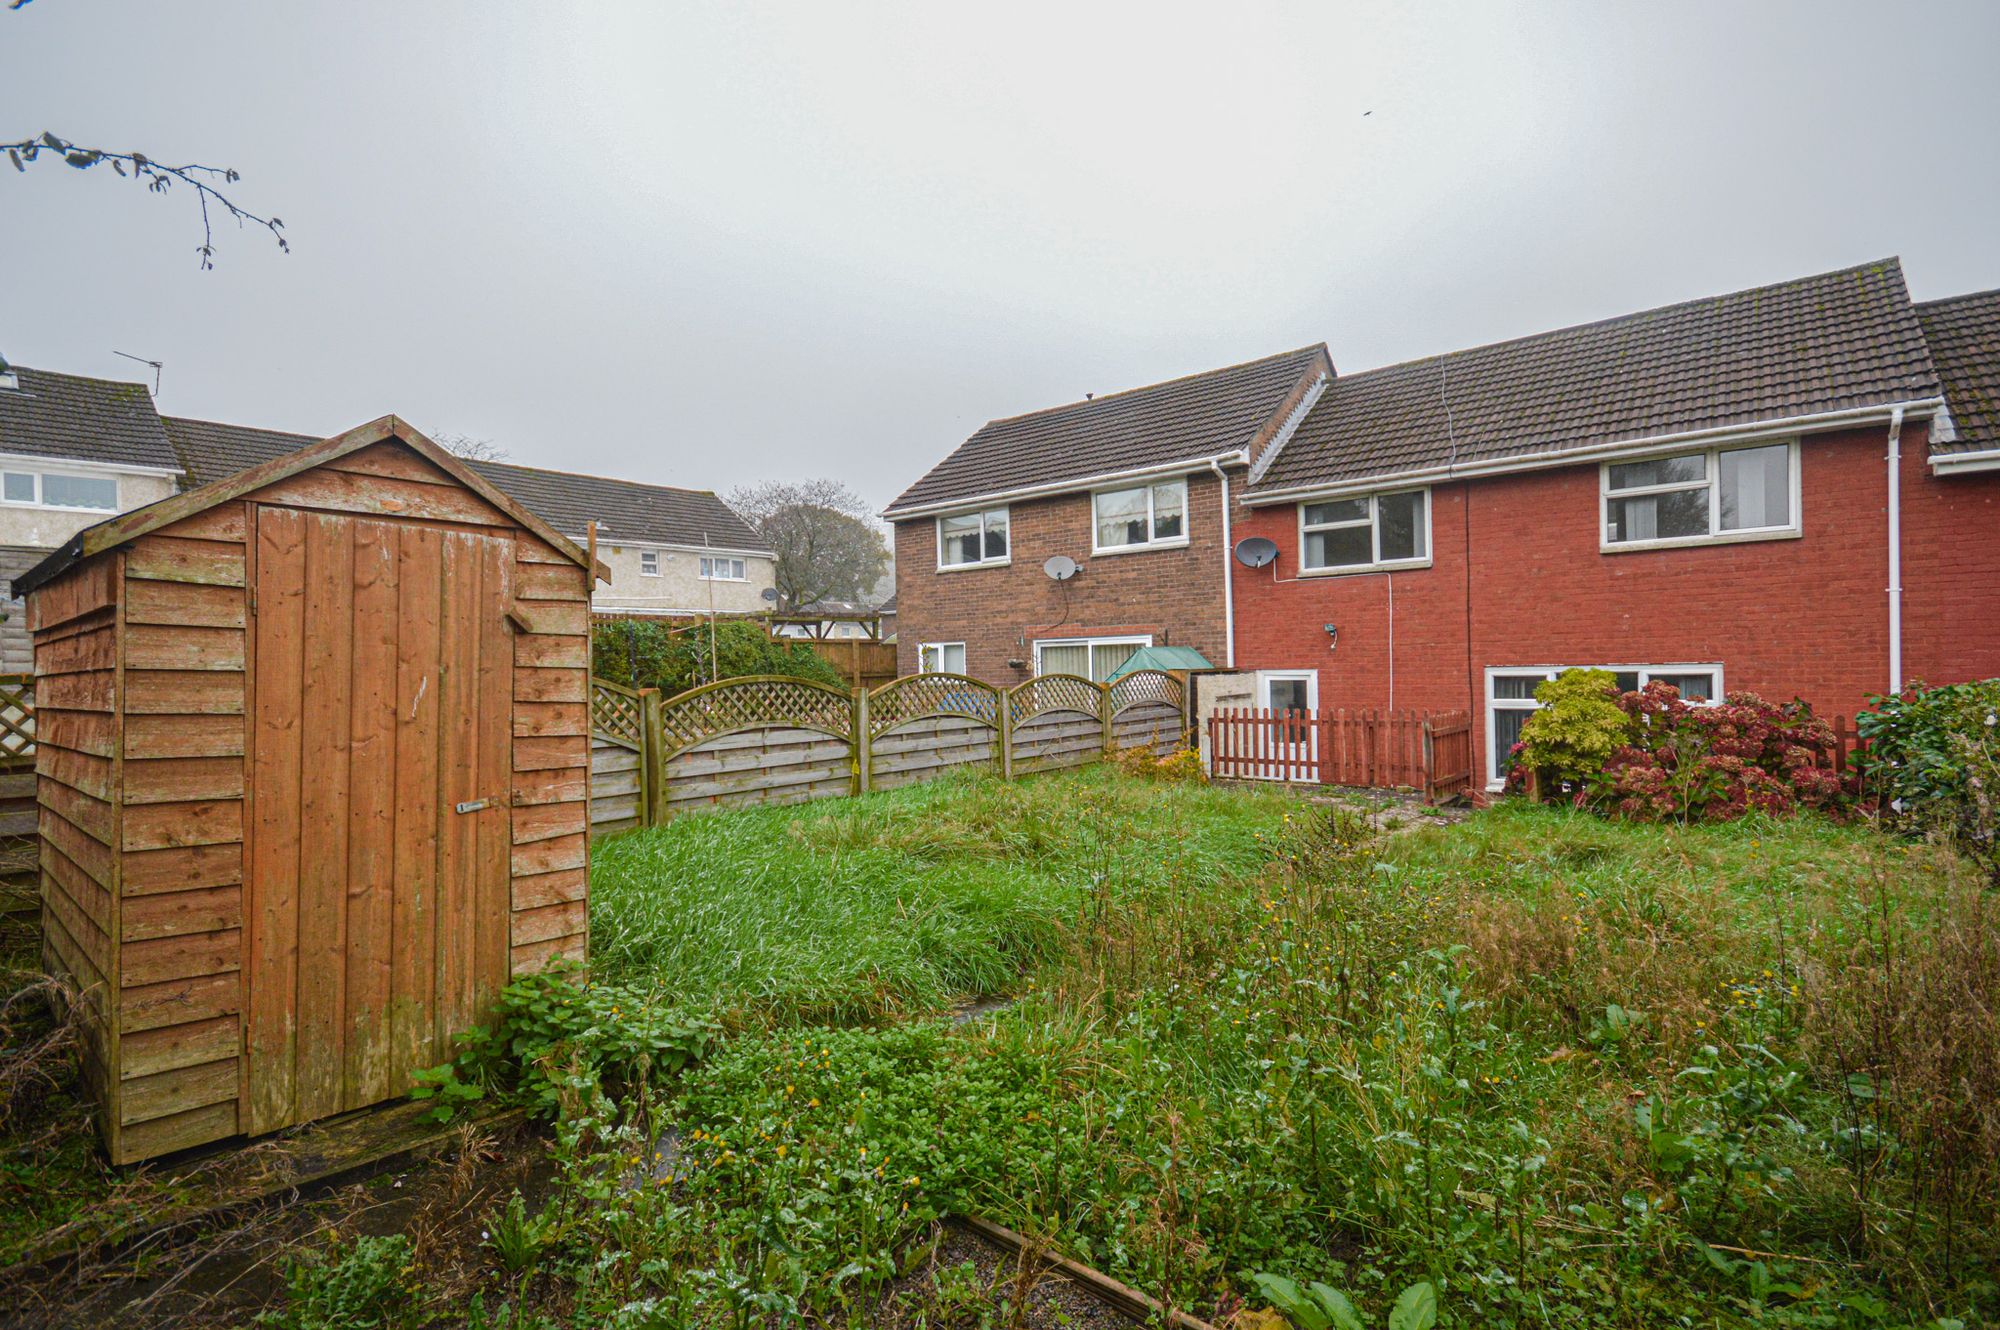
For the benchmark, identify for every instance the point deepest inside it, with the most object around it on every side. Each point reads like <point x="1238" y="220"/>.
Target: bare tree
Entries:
<point x="471" y="449"/>
<point x="825" y="537"/>
<point x="158" y="178"/>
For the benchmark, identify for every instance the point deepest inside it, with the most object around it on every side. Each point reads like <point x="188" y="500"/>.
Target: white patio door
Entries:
<point x="1294" y="696"/>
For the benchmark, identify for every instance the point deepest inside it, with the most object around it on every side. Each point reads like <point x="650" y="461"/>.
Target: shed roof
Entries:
<point x="70" y="416"/>
<point x="126" y="527"/>
<point x="1182" y="420"/>
<point x="1161" y="658"/>
<point x="1832" y="342"/>
<point x="624" y="509"/>
<point x="1964" y="334"/>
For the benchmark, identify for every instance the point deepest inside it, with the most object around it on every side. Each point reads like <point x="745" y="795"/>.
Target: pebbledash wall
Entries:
<point x="1517" y="579"/>
<point x="1173" y="595"/>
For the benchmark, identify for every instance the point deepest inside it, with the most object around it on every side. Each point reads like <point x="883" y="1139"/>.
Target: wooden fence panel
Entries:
<point x="616" y="791"/>
<point x="771" y="765"/>
<point x="923" y="749"/>
<point x="1159" y="726"/>
<point x="1366" y="748"/>
<point x="1053" y="740"/>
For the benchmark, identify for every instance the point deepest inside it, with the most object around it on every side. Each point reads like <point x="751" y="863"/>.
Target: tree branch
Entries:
<point x="158" y="177"/>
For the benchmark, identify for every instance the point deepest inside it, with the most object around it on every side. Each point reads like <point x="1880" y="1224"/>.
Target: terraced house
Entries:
<point x="1791" y="490"/>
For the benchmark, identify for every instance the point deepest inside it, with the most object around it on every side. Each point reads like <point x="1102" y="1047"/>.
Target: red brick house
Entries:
<point x="1129" y="486"/>
<point x="1792" y="490"/>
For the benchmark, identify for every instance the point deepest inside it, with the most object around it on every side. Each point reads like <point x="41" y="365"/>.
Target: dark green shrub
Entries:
<point x="674" y="656"/>
<point x="1932" y="762"/>
<point x="368" y="1284"/>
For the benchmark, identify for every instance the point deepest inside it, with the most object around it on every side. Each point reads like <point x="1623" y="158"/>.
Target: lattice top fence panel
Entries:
<point x="615" y="714"/>
<point x="916" y="696"/>
<point x="1053" y="692"/>
<point x="1147" y="686"/>
<point x="17" y="719"/>
<point x="754" y="703"/>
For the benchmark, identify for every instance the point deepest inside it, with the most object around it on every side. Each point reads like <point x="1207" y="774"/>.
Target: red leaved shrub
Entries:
<point x="1717" y="763"/>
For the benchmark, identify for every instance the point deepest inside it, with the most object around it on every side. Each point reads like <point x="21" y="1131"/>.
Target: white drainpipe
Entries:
<point x="1896" y="550"/>
<point x="1228" y="573"/>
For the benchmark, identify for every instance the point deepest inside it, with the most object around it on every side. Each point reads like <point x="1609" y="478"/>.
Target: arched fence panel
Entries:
<point x="766" y="740"/>
<point x="923" y="725"/>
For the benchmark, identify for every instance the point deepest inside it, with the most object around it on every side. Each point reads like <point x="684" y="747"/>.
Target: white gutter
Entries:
<point x="1543" y="461"/>
<point x="1075" y="485"/>
<point x="1228" y="573"/>
<point x="1896" y="551"/>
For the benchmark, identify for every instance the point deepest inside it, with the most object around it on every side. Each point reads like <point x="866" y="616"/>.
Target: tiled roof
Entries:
<point x="91" y="420"/>
<point x="624" y="509"/>
<point x="1964" y="333"/>
<point x="1202" y="415"/>
<point x="1836" y="341"/>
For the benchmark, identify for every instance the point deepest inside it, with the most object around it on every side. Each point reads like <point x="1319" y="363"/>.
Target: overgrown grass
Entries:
<point x="899" y="902"/>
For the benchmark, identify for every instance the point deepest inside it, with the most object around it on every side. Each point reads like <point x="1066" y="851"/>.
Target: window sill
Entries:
<point x="54" y="508"/>
<point x="1398" y="566"/>
<point x="1146" y="548"/>
<point x="974" y="567"/>
<point x="1695" y="542"/>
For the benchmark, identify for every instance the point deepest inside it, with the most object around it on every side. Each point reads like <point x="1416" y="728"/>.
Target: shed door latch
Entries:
<point x="473" y="805"/>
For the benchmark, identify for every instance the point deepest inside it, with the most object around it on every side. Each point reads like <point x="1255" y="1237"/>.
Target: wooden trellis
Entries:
<point x="769" y="739"/>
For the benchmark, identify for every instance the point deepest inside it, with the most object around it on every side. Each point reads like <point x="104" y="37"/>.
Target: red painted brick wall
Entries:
<point x="1173" y="594"/>
<point x="1805" y="616"/>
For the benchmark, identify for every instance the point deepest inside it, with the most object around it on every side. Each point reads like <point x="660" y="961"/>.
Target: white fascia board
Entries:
<point x="1783" y="427"/>
<point x="1962" y="464"/>
<point x="1078" y="485"/>
<point x="607" y="538"/>
<point x="42" y="462"/>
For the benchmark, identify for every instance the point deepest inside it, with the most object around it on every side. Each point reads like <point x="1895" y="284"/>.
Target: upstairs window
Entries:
<point x="50" y="489"/>
<point x="1373" y="531"/>
<point x="971" y="539"/>
<point x="1140" y="516"/>
<point x="649" y="563"/>
<point x="1721" y="494"/>
<point x="723" y="570"/>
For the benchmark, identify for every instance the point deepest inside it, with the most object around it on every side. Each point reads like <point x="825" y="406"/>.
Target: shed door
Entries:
<point x="381" y="687"/>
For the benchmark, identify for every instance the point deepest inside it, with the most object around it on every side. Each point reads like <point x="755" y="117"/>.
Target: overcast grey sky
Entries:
<point x="708" y="245"/>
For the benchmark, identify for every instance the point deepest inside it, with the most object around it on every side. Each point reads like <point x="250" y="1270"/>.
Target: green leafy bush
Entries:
<point x="368" y="1284"/>
<point x="1579" y="726"/>
<point x="555" y="1029"/>
<point x="1933" y="762"/>
<point x="674" y="657"/>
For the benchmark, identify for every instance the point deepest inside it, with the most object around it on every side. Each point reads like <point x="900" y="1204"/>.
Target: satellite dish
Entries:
<point x="1060" y="567"/>
<point x="1256" y="551"/>
<point x="770" y="594"/>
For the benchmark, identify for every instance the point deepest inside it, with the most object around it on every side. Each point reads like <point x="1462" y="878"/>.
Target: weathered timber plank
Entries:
<point x="179" y="913"/>
<point x="176" y="1131"/>
<point x="552" y="651"/>
<point x="200" y="822"/>
<point x="184" y="692"/>
<point x="171" y="1047"/>
<point x="177" y="1001"/>
<point x="157" y="960"/>
<point x="178" y="779"/>
<point x="183" y="868"/>
<point x="535" y="684"/>
<point x="371" y="832"/>
<point x="175" y="559"/>
<point x="184" y="736"/>
<point x="540" y="889"/>
<point x="549" y="754"/>
<point x="540" y="924"/>
<point x="192" y="604"/>
<point x="413" y="922"/>
<point x="544" y="821"/>
<point x="549" y="856"/>
<point x="152" y="646"/>
<point x="552" y="787"/>
<point x="381" y="496"/>
<point x="177" y="1091"/>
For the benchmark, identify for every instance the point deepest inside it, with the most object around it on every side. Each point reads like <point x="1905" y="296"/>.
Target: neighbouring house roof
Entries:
<point x="1187" y="419"/>
<point x="626" y="510"/>
<point x="1964" y="335"/>
<point x="129" y="526"/>
<point x="1838" y="341"/>
<point x="90" y="420"/>
<point x="1161" y="658"/>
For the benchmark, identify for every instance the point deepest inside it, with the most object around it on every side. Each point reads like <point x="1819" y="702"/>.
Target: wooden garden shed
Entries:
<point x="312" y="770"/>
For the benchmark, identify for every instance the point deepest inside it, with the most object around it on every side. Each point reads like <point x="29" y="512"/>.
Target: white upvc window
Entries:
<point x="649" y="563"/>
<point x="718" y="569"/>
<point x="972" y="540"/>
<point x="1092" y="657"/>
<point x="1510" y="699"/>
<point x="1365" y="532"/>
<point x="56" y="489"/>
<point x="1139" y="517"/>
<point x="1723" y="494"/>
<point x="1288" y="690"/>
<point x="941" y="658"/>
